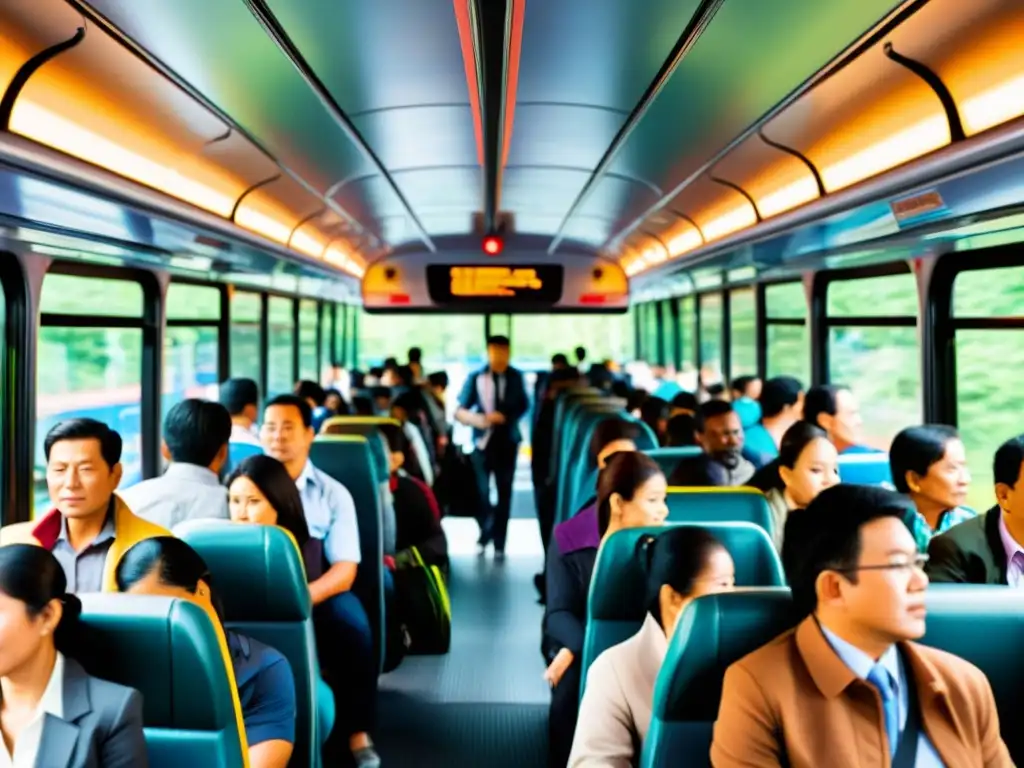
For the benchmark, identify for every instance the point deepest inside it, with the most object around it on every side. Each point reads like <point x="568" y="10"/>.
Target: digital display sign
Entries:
<point x="513" y="283"/>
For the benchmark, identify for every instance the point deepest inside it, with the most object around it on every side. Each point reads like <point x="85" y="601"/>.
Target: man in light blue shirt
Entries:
<point x="342" y="626"/>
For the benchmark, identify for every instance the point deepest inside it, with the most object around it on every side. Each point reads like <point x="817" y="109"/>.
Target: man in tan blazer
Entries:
<point x="846" y="688"/>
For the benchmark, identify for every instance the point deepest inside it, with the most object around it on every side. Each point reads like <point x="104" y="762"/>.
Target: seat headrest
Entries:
<point x="257" y="570"/>
<point x="713" y="632"/>
<point x="741" y="505"/>
<point x="167" y="649"/>
<point x="619" y="582"/>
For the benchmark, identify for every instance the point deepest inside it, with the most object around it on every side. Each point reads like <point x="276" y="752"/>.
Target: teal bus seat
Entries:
<point x="982" y="624"/>
<point x="575" y="450"/>
<point x="368" y="427"/>
<point x="865" y="468"/>
<point x="239" y="452"/>
<point x="566" y="406"/>
<point x="260" y="579"/>
<point x="169" y="650"/>
<point x="584" y="485"/>
<point x="668" y="458"/>
<point x="615" y="606"/>
<point x="348" y="460"/>
<point x="719" y="505"/>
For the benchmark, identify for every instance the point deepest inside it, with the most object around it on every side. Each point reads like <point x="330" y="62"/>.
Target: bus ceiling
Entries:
<point x="348" y="142"/>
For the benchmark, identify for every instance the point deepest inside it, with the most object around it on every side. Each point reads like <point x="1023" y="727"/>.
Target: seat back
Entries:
<point x="347" y="459"/>
<point x="615" y="606"/>
<point x="574" y="450"/>
<point x="565" y="403"/>
<point x="583" y="483"/>
<point x="261" y="582"/>
<point x="668" y="458"/>
<point x="719" y="505"/>
<point x="982" y="624"/>
<point x="368" y="427"/>
<point x="239" y="452"/>
<point x="865" y="468"/>
<point x="169" y="650"/>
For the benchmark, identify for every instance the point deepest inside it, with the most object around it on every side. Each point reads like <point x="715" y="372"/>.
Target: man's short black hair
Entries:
<point x="821" y="400"/>
<point x="826" y="535"/>
<point x="438" y="379"/>
<point x="580" y="353"/>
<point x="741" y="383"/>
<point x="712" y="409"/>
<point x="777" y="393"/>
<point x="915" y="449"/>
<point x="196" y="430"/>
<point x="297" y="402"/>
<point x="686" y="401"/>
<point x="498" y="341"/>
<point x="559" y="358"/>
<point x="86" y="429"/>
<point x="311" y="390"/>
<point x="1008" y="460"/>
<point x="237" y="394"/>
<point x="415" y="355"/>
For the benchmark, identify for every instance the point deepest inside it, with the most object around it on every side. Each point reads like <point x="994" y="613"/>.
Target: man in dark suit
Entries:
<point x="988" y="549"/>
<point x="492" y="402"/>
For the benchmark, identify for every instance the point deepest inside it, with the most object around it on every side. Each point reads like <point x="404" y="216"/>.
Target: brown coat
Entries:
<point x="794" y="702"/>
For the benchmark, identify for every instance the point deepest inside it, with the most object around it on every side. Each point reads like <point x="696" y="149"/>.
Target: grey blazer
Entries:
<point x="101" y="727"/>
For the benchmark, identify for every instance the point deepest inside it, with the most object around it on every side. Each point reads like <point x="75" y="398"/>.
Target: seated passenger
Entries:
<point x="930" y="464"/>
<point x="782" y="404"/>
<point x="89" y="528"/>
<point x="721" y="436"/>
<point x="342" y="626"/>
<point x="681" y="431"/>
<point x="807" y="465"/>
<point x="745" y="393"/>
<point x="655" y="412"/>
<point x="314" y="394"/>
<point x="266" y="687"/>
<point x="631" y="493"/>
<point x="335" y="403"/>
<point x="241" y="397"/>
<point x="261" y="492"/>
<point x="835" y="409"/>
<point x="196" y="434"/>
<point x="846" y="687"/>
<point x="417" y="514"/>
<point x="683" y="404"/>
<point x="681" y="564"/>
<point x="408" y="410"/>
<point x="987" y="549"/>
<point x="53" y="713"/>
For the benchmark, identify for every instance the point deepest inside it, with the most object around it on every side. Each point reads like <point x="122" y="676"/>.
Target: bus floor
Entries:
<point x="485" y="703"/>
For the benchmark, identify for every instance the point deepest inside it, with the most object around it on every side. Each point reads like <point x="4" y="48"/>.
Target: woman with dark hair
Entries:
<point x="681" y="564"/>
<point x="266" y="688"/>
<point x="51" y="711"/>
<point x="261" y="492"/>
<point x="807" y="464"/>
<point x="631" y="492"/>
<point x="929" y="464"/>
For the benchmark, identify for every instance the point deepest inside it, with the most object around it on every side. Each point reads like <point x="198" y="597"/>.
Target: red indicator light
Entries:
<point x="593" y="298"/>
<point x="399" y="298"/>
<point x="493" y="245"/>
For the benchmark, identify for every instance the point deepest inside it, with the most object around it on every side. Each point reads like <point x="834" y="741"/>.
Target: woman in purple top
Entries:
<point x="631" y="493"/>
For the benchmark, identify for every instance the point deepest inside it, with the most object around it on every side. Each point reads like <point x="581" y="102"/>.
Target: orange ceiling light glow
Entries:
<point x="306" y="243"/>
<point x="727" y="223"/>
<point x="685" y="242"/>
<point x="46" y="127"/>
<point x="791" y="196"/>
<point x="993" y="106"/>
<point x="263" y="224"/>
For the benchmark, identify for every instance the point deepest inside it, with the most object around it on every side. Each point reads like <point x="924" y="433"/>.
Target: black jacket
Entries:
<point x="568" y="585"/>
<point x="969" y="553"/>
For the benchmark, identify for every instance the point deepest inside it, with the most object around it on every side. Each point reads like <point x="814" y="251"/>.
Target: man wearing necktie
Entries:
<point x="847" y="688"/>
<point x="492" y="402"/>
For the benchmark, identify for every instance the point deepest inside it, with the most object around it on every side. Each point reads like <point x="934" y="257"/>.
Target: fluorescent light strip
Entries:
<point x="993" y="107"/>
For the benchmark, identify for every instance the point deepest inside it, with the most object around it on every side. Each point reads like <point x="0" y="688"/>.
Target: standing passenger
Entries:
<point x="681" y="564"/>
<point x="89" y="528"/>
<point x="492" y="402"/>
<point x="631" y="492"/>
<point x="52" y="713"/>
<point x="988" y="549"/>
<point x="847" y="688"/>
<point x="929" y="463"/>
<point x="196" y="434"/>
<point x="343" y="628"/>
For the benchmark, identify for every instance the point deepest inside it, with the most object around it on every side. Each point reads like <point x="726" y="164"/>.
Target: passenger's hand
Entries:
<point x="495" y="418"/>
<point x="553" y="674"/>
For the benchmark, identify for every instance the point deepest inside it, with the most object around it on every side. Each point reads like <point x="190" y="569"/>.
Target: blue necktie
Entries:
<point x="882" y="680"/>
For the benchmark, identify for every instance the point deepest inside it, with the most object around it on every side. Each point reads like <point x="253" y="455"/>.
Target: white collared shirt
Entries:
<point x="240" y="434"/>
<point x="51" y="703"/>
<point x="183" y="492"/>
<point x="330" y="514"/>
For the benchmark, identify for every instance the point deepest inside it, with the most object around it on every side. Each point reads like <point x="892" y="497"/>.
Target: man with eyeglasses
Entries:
<point x="847" y="688"/>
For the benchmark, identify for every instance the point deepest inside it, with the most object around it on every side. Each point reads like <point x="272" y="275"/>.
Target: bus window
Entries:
<point x="710" y="338"/>
<point x="989" y="367"/>
<point x="309" y="313"/>
<point x="788" y="349"/>
<point x="245" y="335"/>
<point x="873" y="349"/>
<point x="190" y="343"/>
<point x="280" y="347"/>
<point x="688" y="332"/>
<point x="649" y="329"/>
<point x="535" y="338"/>
<point x="742" y="333"/>
<point x="87" y="369"/>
